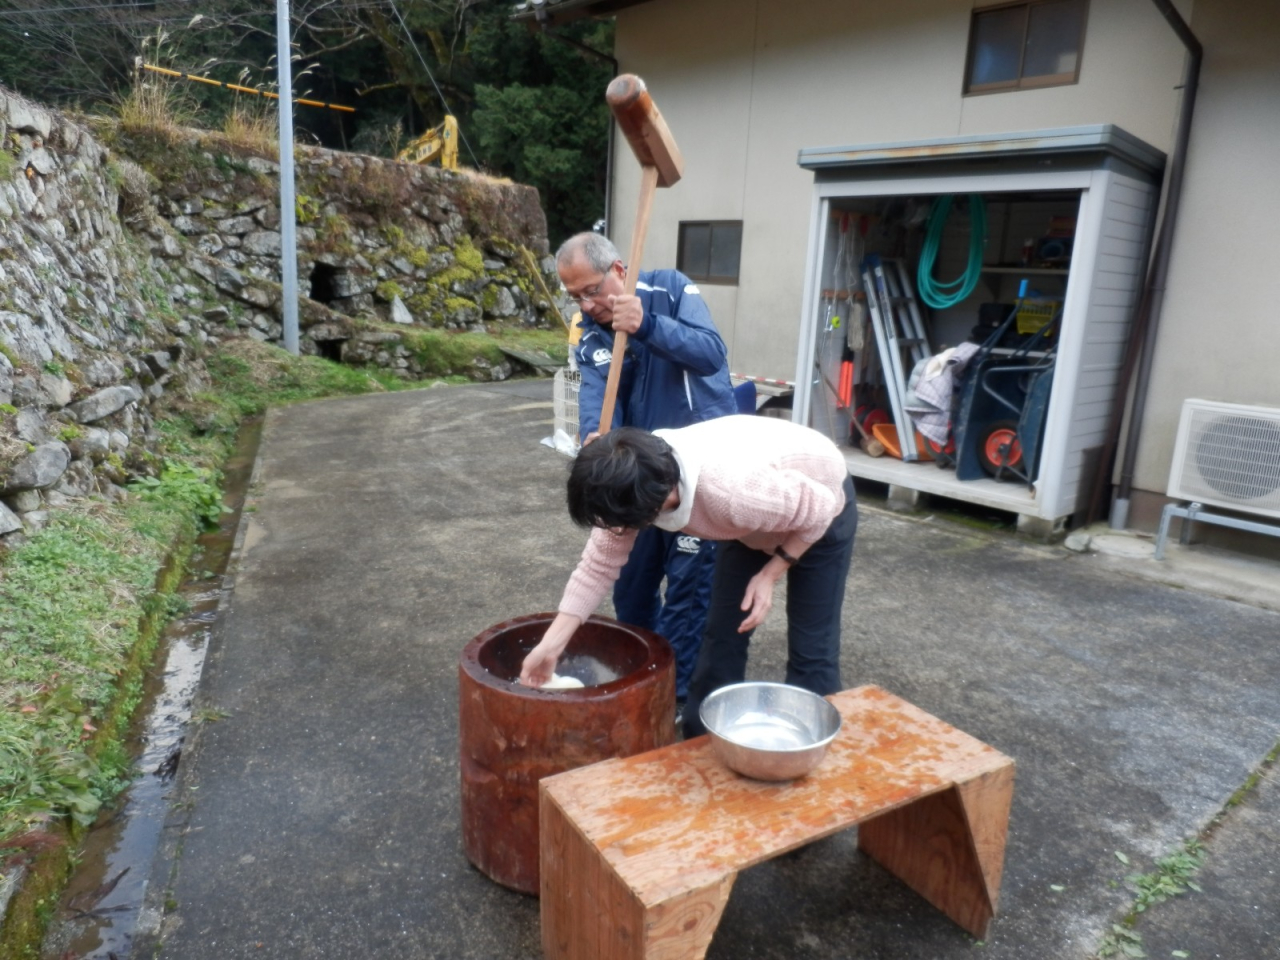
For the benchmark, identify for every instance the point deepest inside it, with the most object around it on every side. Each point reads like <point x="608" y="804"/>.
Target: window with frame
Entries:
<point x="709" y="250"/>
<point x="1021" y="46"/>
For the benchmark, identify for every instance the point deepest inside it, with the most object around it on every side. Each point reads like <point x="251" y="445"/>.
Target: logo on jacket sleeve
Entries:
<point x="601" y="356"/>
<point x="691" y="288"/>
<point x="688" y="544"/>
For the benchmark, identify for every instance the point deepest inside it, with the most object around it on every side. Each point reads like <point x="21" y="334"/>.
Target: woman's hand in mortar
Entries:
<point x="540" y="664"/>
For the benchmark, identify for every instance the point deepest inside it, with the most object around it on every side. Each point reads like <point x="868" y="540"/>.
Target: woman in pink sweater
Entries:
<point x="777" y="494"/>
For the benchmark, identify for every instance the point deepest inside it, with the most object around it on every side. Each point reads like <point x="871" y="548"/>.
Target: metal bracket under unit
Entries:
<point x="1196" y="512"/>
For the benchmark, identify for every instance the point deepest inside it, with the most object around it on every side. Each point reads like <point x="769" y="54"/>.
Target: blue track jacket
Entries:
<point x="675" y="372"/>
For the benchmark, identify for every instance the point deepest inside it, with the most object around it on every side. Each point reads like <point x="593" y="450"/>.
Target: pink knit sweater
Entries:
<point x="753" y="479"/>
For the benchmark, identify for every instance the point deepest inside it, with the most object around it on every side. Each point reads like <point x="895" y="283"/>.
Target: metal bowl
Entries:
<point x="769" y="731"/>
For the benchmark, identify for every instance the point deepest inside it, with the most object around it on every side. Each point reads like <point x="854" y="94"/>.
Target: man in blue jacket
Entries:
<point x="675" y="373"/>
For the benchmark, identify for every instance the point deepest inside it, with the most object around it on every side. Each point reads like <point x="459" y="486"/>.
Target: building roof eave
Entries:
<point x="554" y="12"/>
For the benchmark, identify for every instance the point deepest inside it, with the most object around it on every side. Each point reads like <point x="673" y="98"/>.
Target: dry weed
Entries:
<point x="254" y="128"/>
<point x="154" y="107"/>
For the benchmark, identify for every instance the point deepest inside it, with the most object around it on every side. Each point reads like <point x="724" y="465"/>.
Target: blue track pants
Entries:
<point x="688" y="564"/>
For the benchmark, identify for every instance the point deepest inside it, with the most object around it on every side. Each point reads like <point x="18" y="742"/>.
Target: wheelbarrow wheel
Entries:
<point x="999" y="449"/>
<point x="944" y="455"/>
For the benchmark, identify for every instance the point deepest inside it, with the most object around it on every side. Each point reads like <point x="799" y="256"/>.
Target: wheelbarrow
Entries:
<point x="1000" y="418"/>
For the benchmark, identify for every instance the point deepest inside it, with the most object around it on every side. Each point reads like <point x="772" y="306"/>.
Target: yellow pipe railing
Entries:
<point x="240" y="89"/>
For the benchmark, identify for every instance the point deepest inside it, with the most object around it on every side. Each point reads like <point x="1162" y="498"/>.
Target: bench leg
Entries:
<point x="588" y="913"/>
<point x="949" y="846"/>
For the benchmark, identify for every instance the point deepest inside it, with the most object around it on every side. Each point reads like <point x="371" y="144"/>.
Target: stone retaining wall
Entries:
<point x="125" y="259"/>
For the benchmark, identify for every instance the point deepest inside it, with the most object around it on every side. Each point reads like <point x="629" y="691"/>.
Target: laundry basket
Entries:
<point x="564" y="403"/>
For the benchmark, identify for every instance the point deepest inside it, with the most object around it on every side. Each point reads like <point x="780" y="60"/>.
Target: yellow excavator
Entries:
<point x="437" y="143"/>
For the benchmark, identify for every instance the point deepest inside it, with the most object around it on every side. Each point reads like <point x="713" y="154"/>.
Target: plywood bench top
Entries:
<point x="675" y="819"/>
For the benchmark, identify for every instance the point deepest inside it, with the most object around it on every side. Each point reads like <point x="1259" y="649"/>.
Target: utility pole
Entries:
<point x="288" y="208"/>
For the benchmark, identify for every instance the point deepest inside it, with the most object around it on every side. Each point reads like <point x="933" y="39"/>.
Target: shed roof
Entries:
<point x="1099" y="140"/>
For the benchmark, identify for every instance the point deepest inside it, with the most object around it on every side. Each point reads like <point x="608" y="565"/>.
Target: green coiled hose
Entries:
<point x="939" y="294"/>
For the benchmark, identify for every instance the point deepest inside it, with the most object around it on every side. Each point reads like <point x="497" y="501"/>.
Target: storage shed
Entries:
<point x="1048" y="266"/>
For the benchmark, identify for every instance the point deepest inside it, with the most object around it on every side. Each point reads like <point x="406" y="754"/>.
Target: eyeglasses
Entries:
<point x="586" y="296"/>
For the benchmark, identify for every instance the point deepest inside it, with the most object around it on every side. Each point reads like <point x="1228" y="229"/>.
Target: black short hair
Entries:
<point x="622" y="479"/>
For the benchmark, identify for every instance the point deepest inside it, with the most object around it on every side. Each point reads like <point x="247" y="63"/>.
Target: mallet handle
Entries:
<point x="648" y="186"/>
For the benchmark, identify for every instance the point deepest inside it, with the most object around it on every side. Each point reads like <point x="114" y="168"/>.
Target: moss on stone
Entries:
<point x="33" y="906"/>
<point x="335" y="235"/>
<point x="466" y="255"/>
<point x="502" y="247"/>
<point x="454" y="304"/>
<point x="442" y="353"/>
<point x="307" y="207"/>
<point x="388" y="290"/>
<point x="421" y="305"/>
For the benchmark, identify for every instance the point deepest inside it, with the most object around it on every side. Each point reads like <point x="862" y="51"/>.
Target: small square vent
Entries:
<point x="1228" y="455"/>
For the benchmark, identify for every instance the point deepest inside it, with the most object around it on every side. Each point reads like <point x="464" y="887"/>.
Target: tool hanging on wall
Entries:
<point x="844" y="395"/>
<point x="830" y="323"/>
<point x="941" y="294"/>
<point x="827" y="360"/>
<point x="856" y="309"/>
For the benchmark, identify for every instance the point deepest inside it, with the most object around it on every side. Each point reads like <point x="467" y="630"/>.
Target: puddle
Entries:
<point x="98" y="913"/>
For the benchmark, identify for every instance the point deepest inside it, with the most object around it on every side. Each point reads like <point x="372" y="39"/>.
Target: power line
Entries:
<point x="35" y="11"/>
<point x="440" y="93"/>
<point x="126" y="7"/>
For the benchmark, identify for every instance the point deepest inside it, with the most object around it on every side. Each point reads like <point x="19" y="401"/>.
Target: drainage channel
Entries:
<point x="98" y="913"/>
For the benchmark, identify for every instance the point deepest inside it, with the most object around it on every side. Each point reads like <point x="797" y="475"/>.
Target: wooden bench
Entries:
<point x="638" y="855"/>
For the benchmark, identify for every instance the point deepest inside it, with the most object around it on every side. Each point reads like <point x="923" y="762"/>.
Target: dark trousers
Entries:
<point x="815" y="598"/>
<point x="679" y="614"/>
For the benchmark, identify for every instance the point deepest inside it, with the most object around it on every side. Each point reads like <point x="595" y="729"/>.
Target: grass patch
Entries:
<point x="249" y="376"/>
<point x="77" y="598"/>
<point x="1173" y="876"/>
<point x="253" y="129"/>
<point x="155" y="108"/>
<point x="74" y="605"/>
<point x="445" y="353"/>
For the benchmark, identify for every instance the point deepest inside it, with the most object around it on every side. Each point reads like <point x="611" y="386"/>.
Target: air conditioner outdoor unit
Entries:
<point x="1228" y="455"/>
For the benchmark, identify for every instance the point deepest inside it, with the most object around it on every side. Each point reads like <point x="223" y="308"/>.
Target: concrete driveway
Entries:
<point x="320" y="817"/>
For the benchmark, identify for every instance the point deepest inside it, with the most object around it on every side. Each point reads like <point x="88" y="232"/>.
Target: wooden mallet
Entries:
<point x="660" y="166"/>
<point x="869" y="444"/>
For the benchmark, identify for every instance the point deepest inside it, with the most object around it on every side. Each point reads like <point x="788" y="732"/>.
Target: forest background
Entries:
<point x="530" y="105"/>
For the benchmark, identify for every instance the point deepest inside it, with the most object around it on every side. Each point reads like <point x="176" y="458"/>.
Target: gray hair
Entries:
<point x="595" y="248"/>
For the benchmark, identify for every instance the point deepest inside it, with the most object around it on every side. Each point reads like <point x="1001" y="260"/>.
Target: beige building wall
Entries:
<point x="1219" y="337"/>
<point x="745" y="84"/>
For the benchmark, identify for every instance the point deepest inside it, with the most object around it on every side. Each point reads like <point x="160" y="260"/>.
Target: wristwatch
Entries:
<point x="787" y="558"/>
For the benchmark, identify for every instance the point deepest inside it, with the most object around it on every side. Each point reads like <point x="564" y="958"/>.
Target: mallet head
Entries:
<point x="644" y="128"/>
